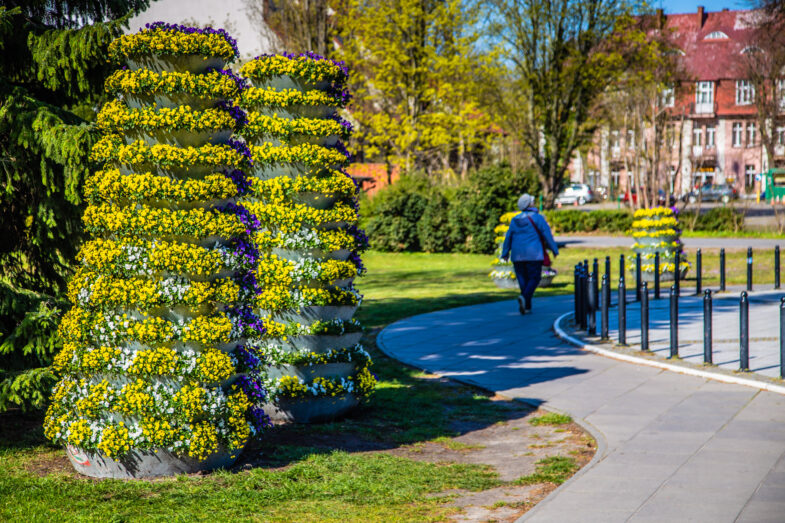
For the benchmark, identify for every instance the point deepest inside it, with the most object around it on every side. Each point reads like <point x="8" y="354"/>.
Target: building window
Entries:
<point x="751" y="134"/>
<point x="630" y="139"/>
<point x="749" y="176"/>
<point x="615" y="143"/>
<point x="716" y="35"/>
<point x="710" y="132"/>
<point x="704" y="94"/>
<point x="736" y="134"/>
<point x="780" y="135"/>
<point x="745" y="92"/>
<point x="668" y="96"/>
<point x="615" y="179"/>
<point x="781" y="93"/>
<point x="697" y="136"/>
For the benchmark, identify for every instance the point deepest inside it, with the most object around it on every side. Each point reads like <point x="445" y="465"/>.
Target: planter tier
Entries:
<point x="648" y="228"/>
<point x="317" y="323"/>
<point x="160" y="419"/>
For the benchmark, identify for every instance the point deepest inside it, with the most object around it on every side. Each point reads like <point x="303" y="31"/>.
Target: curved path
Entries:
<point x="671" y="447"/>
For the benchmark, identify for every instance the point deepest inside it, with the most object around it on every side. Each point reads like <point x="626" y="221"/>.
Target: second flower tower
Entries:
<point x="309" y="243"/>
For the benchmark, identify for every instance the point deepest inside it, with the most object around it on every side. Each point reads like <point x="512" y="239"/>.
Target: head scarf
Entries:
<point x="525" y="201"/>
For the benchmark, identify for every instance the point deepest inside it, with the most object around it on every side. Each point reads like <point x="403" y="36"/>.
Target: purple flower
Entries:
<point x="246" y="250"/>
<point x="250" y="323"/>
<point x="357" y="261"/>
<point x="342" y="148"/>
<point x="360" y="238"/>
<point x="248" y="359"/>
<point x="241" y="148"/>
<point x="244" y="215"/>
<point x="259" y="419"/>
<point x="252" y="388"/>
<point x="237" y="114"/>
<point x="163" y="26"/>
<point x="346" y="126"/>
<point x="239" y="178"/>
<point x="311" y="56"/>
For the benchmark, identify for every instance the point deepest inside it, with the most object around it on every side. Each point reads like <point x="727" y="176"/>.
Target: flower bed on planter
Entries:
<point x="309" y="242"/>
<point x="657" y="231"/>
<point x="503" y="274"/>
<point x="155" y="377"/>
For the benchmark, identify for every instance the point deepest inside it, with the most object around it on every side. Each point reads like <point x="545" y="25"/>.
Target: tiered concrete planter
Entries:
<point x="503" y="273"/>
<point x="149" y="387"/>
<point x="303" y="198"/>
<point x="657" y="231"/>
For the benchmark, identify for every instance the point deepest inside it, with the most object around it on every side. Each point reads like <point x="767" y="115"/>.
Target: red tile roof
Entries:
<point x="712" y="59"/>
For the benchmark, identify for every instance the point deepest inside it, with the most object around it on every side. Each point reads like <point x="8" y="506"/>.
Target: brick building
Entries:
<point x="714" y="111"/>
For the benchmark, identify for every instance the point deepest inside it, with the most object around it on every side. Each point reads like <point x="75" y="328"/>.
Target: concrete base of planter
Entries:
<point x="311" y="372"/>
<point x="178" y="137"/>
<point x="192" y="63"/>
<point x="506" y="283"/>
<point x="312" y="254"/>
<point x="664" y="276"/>
<point x="311" y="410"/>
<point x="145" y="464"/>
<point x="308" y="315"/>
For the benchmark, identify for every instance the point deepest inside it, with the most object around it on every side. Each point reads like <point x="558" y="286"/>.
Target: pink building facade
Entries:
<point x="716" y="135"/>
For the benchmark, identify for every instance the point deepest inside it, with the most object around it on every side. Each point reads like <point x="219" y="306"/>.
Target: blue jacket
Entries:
<point x="524" y="241"/>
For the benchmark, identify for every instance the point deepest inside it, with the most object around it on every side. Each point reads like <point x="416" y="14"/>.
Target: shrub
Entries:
<point x="433" y="228"/>
<point x="481" y="200"/>
<point x="571" y="220"/>
<point x="393" y="214"/>
<point x="715" y="219"/>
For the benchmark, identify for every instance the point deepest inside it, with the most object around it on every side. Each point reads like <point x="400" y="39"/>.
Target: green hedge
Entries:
<point x="571" y="220"/>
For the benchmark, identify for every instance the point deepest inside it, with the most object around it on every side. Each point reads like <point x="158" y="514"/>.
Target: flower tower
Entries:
<point x="155" y="376"/>
<point x="657" y="231"/>
<point x="503" y="274"/>
<point x="310" y="244"/>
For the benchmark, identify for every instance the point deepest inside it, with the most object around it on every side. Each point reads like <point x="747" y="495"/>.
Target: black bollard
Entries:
<point x="584" y="298"/>
<point x="707" y="327"/>
<point x="749" y="269"/>
<point x="579" y="295"/>
<point x="722" y="270"/>
<point x="744" y="332"/>
<point x="575" y="289"/>
<point x="698" y="273"/>
<point x="782" y="337"/>
<point x="608" y="267"/>
<point x="776" y="266"/>
<point x="622" y="313"/>
<point x="606" y="303"/>
<point x="638" y="276"/>
<point x="674" y="322"/>
<point x="621" y="266"/>
<point x="596" y="287"/>
<point x="677" y="273"/>
<point x="591" y="304"/>
<point x="656" y="275"/>
<point x="645" y="316"/>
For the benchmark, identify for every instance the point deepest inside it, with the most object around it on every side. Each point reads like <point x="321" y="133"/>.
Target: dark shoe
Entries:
<point x="529" y="307"/>
<point x="521" y="305"/>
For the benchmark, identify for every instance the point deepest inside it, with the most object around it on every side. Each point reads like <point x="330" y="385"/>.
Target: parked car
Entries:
<point x="661" y="199"/>
<point x="713" y="193"/>
<point x="576" y="192"/>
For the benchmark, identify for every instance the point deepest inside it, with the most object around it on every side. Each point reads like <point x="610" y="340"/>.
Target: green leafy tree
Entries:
<point x="52" y="68"/>
<point x="415" y="76"/>
<point x="560" y="56"/>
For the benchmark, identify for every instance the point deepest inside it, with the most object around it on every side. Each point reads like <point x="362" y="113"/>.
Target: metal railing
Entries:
<point x="592" y="297"/>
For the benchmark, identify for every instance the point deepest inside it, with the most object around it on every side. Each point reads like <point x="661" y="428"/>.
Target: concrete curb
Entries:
<point x="778" y="389"/>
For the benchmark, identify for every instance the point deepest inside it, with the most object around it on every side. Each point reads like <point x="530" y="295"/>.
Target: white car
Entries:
<point x="576" y="192"/>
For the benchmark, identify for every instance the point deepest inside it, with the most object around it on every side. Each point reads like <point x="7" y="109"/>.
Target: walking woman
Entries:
<point x="527" y="238"/>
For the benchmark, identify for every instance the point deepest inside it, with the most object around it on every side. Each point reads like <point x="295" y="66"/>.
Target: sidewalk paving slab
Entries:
<point x="672" y="447"/>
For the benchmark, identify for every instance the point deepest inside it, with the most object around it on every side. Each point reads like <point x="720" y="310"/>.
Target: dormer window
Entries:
<point x="716" y="35"/>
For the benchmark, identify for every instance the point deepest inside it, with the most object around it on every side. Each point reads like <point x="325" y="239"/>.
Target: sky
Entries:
<point x="691" y="6"/>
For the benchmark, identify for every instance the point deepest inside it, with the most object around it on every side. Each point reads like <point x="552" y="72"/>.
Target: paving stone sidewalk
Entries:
<point x="671" y="447"/>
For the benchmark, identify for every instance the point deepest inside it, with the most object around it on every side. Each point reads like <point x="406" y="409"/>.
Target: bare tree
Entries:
<point x="300" y="25"/>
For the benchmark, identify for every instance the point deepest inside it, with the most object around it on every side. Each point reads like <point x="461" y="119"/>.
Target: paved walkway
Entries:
<point x="689" y="243"/>
<point x="671" y="447"/>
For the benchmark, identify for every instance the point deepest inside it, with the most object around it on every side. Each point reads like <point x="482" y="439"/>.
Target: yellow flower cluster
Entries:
<point x="654" y="212"/>
<point x="290" y="218"/>
<point x="116" y="258"/>
<point x="277" y="298"/>
<point x="658" y="222"/>
<point x="507" y="217"/>
<point x="116" y="117"/>
<point x="80" y="326"/>
<point x="302" y="67"/>
<point x="306" y="154"/>
<point x="660" y="233"/>
<point x="274" y="270"/>
<point x="282" y="188"/>
<point x="150" y="221"/>
<point x="293" y="387"/>
<point x="204" y="441"/>
<point x="168" y="42"/>
<point x="109" y="185"/>
<point x="261" y="125"/>
<point x="254" y="96"/>
<point x="91" y="289"/>
<point x="115" y="441"/>
<point x="112" y="149"/>
<point x="329" y="240"/>
<point x="211" y="85"/>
